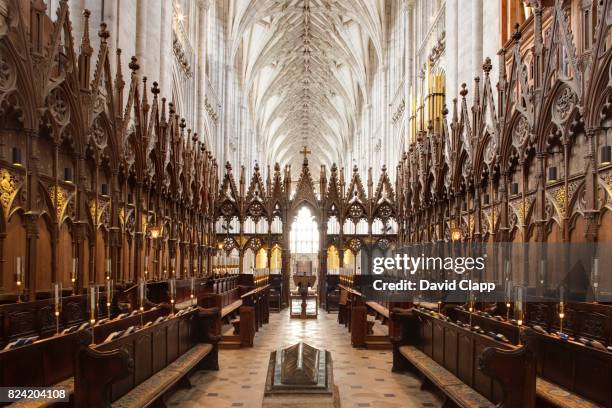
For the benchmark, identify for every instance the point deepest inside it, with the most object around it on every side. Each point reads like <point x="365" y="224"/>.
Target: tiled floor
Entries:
<point x="364" y="377"/>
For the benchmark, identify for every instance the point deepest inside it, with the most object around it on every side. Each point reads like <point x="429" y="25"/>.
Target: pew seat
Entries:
<point x="231" y="308"/>
<point x="460" y="393"/>
<point x="67" y="384"/>
<point x="379" y="309"/>
<point x="157" y="385"/>
<point x="371" y="320"/>
<point x="236" y="323"/>
<point x="560" y="397"/>
<point x="184" y="305"/>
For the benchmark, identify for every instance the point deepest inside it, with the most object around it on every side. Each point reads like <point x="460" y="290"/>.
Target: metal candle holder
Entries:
<point x="172" y="287"/>
<point x="141" y="298"/>
<point x="519" y="323"/>
<point x="518" y="306"/>
<point x="93" y="305"/>
<point x="57" y="302"/>
<point x="18" y="276"/>
<point x="561" y="316"/>
<point x="561" y="308"/>
<point x="109" y="295"/>
<point x="73" y="275"/>
<point x="595" y="279"/>
<point x="146" y="266"/>
<point x="471" y="307"/>
<point x="192" y="287"/>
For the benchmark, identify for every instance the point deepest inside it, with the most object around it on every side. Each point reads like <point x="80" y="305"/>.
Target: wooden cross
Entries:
<point x="305" y="152"/>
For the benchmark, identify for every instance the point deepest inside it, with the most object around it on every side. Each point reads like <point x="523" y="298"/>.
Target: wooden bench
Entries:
<point x="571" y="374"/>
<point x="461" y="394"/>
<point x="332" y="293"/>
<point x="371" y="320"/>
<point x="139" y="369"/>
<point x="254" y="313"/>
<point x="36" y="318"/>
<point x="568" y="371"/>
<point x="379" y="310"/>
<point x="236" y="324"/>
<point x="469" y="369"/>
<point x="161" y="382"/>
<point x="50" y="362"/>
<point x="258" y="299"/>
<point x="45" y="363"/>
<point x="231" y="308"/>
<point x="276" y="292"/>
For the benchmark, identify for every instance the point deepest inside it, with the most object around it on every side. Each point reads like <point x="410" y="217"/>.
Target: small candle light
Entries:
<point x="173" y="287"/>
<point x="18" y="270"/>
<point x="543" y="268"/>
<point x="595" y="279"/>
<point x="141" y="293"/>
<point x="109" y="295"/>
<point x="57" y="302"/>
<point x="192" y="287"/>
<point x="56" y="293"/>
<point x="74" y="271"/>
<point x="93" y="300"/>
<point x="18" y="276"/>
<point x="172" y="290"/>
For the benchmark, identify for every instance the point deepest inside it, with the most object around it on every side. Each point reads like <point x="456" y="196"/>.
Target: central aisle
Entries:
<point x="364" y="377"/>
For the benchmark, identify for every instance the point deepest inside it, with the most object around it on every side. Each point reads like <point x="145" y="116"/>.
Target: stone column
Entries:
<point x="452" y="47"/>
<point x="141" y="33"/>
<point x="201" y="94"/>
<point x="409" y="50"/>
<point x="165" y="49"/>
<point x="76" y="8"/>
<point x="322" y="260"/>
<point x="477" y="36"/>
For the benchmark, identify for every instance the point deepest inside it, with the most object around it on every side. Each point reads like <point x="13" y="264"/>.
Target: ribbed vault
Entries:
<point x="304" y="67"/>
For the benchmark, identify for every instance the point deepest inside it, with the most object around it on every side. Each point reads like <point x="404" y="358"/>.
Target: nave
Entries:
<point x="187" y="179"/>
<point x="363" y="376"/>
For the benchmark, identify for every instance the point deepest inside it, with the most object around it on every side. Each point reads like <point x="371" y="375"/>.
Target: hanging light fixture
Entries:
<point x="155" y="230"/>
<point x="17" y="156"/>
<point x="455" y="233"/>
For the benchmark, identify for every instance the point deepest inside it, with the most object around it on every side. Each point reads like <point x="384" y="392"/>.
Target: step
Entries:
<point x="230" y="337"/>
<point x="378" y="345"/>
<point x="229" y="345"/>
<point x="375" y="337"/>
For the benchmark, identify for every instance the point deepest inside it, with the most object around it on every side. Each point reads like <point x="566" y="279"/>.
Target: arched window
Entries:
<point x="304" y="233"/>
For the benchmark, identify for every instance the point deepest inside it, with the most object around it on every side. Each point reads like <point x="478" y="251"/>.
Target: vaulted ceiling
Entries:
<point x="304" y="67"/>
